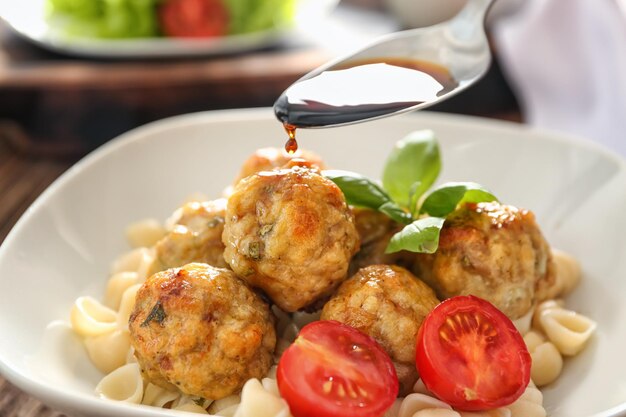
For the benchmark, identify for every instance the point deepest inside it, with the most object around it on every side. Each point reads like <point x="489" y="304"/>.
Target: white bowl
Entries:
<point x="63" y="245"/>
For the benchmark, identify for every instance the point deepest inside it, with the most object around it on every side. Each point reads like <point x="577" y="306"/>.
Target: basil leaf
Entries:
<point x="363" y="192"/>
<point x="395" y="212"/>
<point x="413" y="159"/>
<point x="421" y="236"/>
<point x="445" y="199"/>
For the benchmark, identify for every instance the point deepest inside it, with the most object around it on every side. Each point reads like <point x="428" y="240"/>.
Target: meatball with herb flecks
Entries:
<point x="195" y="236"/>
<point x="388" y="303"/>
<point x="290" y="233"/>
<point x="201" y="330"/>
<point x="492" y="251"/>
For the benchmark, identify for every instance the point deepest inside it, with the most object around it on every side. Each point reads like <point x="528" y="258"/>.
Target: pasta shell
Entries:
<point x="222" y="404"/>
<point x="546" y="305"/>
<point x="157" y="396"/>
<point x="127" y="305"/>
<point x="108" y="351"/>
<point x="90" y="318"/>
<point x="144" y="233"/>
<point x="568" y="272"/>
<point x="117" y="284"/>
<point x="123" y="384"/>
<point x="437" y="412"/>
<point x="547" y="364"/>
<point x="257" y="402"/>
<point x="413" y="403"/>
<point x="130" y="261"/>
<point x="533" y="339"/>
<point x="568" y="330"/>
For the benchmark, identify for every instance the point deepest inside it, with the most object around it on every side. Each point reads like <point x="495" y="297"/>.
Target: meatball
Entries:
<point x="290" y="233"/>
<point x="266" y="159"/>
<point x="388" y="303"/>
<point x="375" y="231"/>
<point x="196" y="236"/>
<point x="493" y="251"/>
<point x="202" y="330"/>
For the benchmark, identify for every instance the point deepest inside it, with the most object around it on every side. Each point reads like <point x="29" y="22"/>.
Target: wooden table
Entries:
<point x="54" y="109"/>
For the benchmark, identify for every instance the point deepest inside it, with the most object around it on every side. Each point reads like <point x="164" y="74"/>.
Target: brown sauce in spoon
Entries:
<point x="362" y="89"/>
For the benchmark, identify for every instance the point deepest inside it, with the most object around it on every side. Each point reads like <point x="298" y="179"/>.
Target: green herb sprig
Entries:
<point x="410" y="171"/>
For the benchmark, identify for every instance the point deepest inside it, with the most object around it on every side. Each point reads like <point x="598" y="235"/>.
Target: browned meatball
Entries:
<point x="266" y="159"/>
<point x="375" y="231"/>
<point x="202" y="330"/>
<point x="493" y="251"/>
<point x="388" y="303"/>
<point x="196" y="236"/>
<point x="290" y="233"/>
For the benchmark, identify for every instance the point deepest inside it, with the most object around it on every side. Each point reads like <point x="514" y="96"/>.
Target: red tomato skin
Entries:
<point x="448" y="389"/>
<point x="302" y="406"/>
<point x="193" y="18"/>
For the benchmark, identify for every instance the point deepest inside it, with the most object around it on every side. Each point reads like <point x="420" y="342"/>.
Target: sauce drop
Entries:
<point x="291" y="146"/>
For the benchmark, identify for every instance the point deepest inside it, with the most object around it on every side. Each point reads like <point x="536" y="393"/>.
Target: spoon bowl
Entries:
<point x="400" y="72"/>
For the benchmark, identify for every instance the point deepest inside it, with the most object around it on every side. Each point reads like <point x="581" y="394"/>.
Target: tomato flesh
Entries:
<point x="335" y="370"/>
<point x="470" y="355"/>
<point x="193" y="18"/>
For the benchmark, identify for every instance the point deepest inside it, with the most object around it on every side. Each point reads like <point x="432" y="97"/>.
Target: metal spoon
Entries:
<point x="370" y="84"/>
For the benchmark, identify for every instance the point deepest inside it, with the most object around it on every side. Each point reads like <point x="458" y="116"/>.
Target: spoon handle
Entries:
<point x="468" y="25"/>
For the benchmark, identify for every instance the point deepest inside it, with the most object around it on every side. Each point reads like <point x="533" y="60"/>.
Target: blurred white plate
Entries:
<point x="27" y="18"/>
<point x="63" y="246"/>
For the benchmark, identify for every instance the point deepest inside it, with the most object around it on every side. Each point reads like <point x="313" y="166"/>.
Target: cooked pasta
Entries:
<point x="415" y="402"/>
<point x="144" y="233"/>
<point x="223" y="406"/>
<point x="90" y="318"/>
<point x="158" y="396"/>
<point x="253" y="394"/>
<point x="544" y="306"/>
<point x="117" y="284"/>
<point x="530" y="404"/>
<point x="568" y="330"/>
<point x="568" y="271"/>
<point x="108" y="351"/>
<point x="533" y="339"/>
<point x="522" y="324"/>
<point x="123" y="384"/>
<point x="190" y="404"/>
<point x="547" y="364"/>
<point x="499" y="412"/>
<point x="423" y="404"/>
<point x="126" y="306"/>
<point x="130" y="261"/>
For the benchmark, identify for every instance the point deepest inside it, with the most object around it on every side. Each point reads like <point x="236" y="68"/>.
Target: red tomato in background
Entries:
<point x="334" y="370"/>
<point x="193" y="18"/>
<point x="470" y="355"/>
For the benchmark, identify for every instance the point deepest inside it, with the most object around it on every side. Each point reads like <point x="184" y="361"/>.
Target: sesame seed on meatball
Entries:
<point x="388" y="303"/>
<point x="266" y="159"/>
<point x="492" y="251"/>
<point x="290" y="233"/>
<point x="201" y="330"/>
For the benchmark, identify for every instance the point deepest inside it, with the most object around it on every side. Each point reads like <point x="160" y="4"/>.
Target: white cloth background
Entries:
<point x="566" y="59"/>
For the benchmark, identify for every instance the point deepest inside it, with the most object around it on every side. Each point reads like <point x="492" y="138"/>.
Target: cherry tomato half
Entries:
<point x="193" y="18"/>
<point x="470" y="355"/>
<point x="334" y="370"/>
